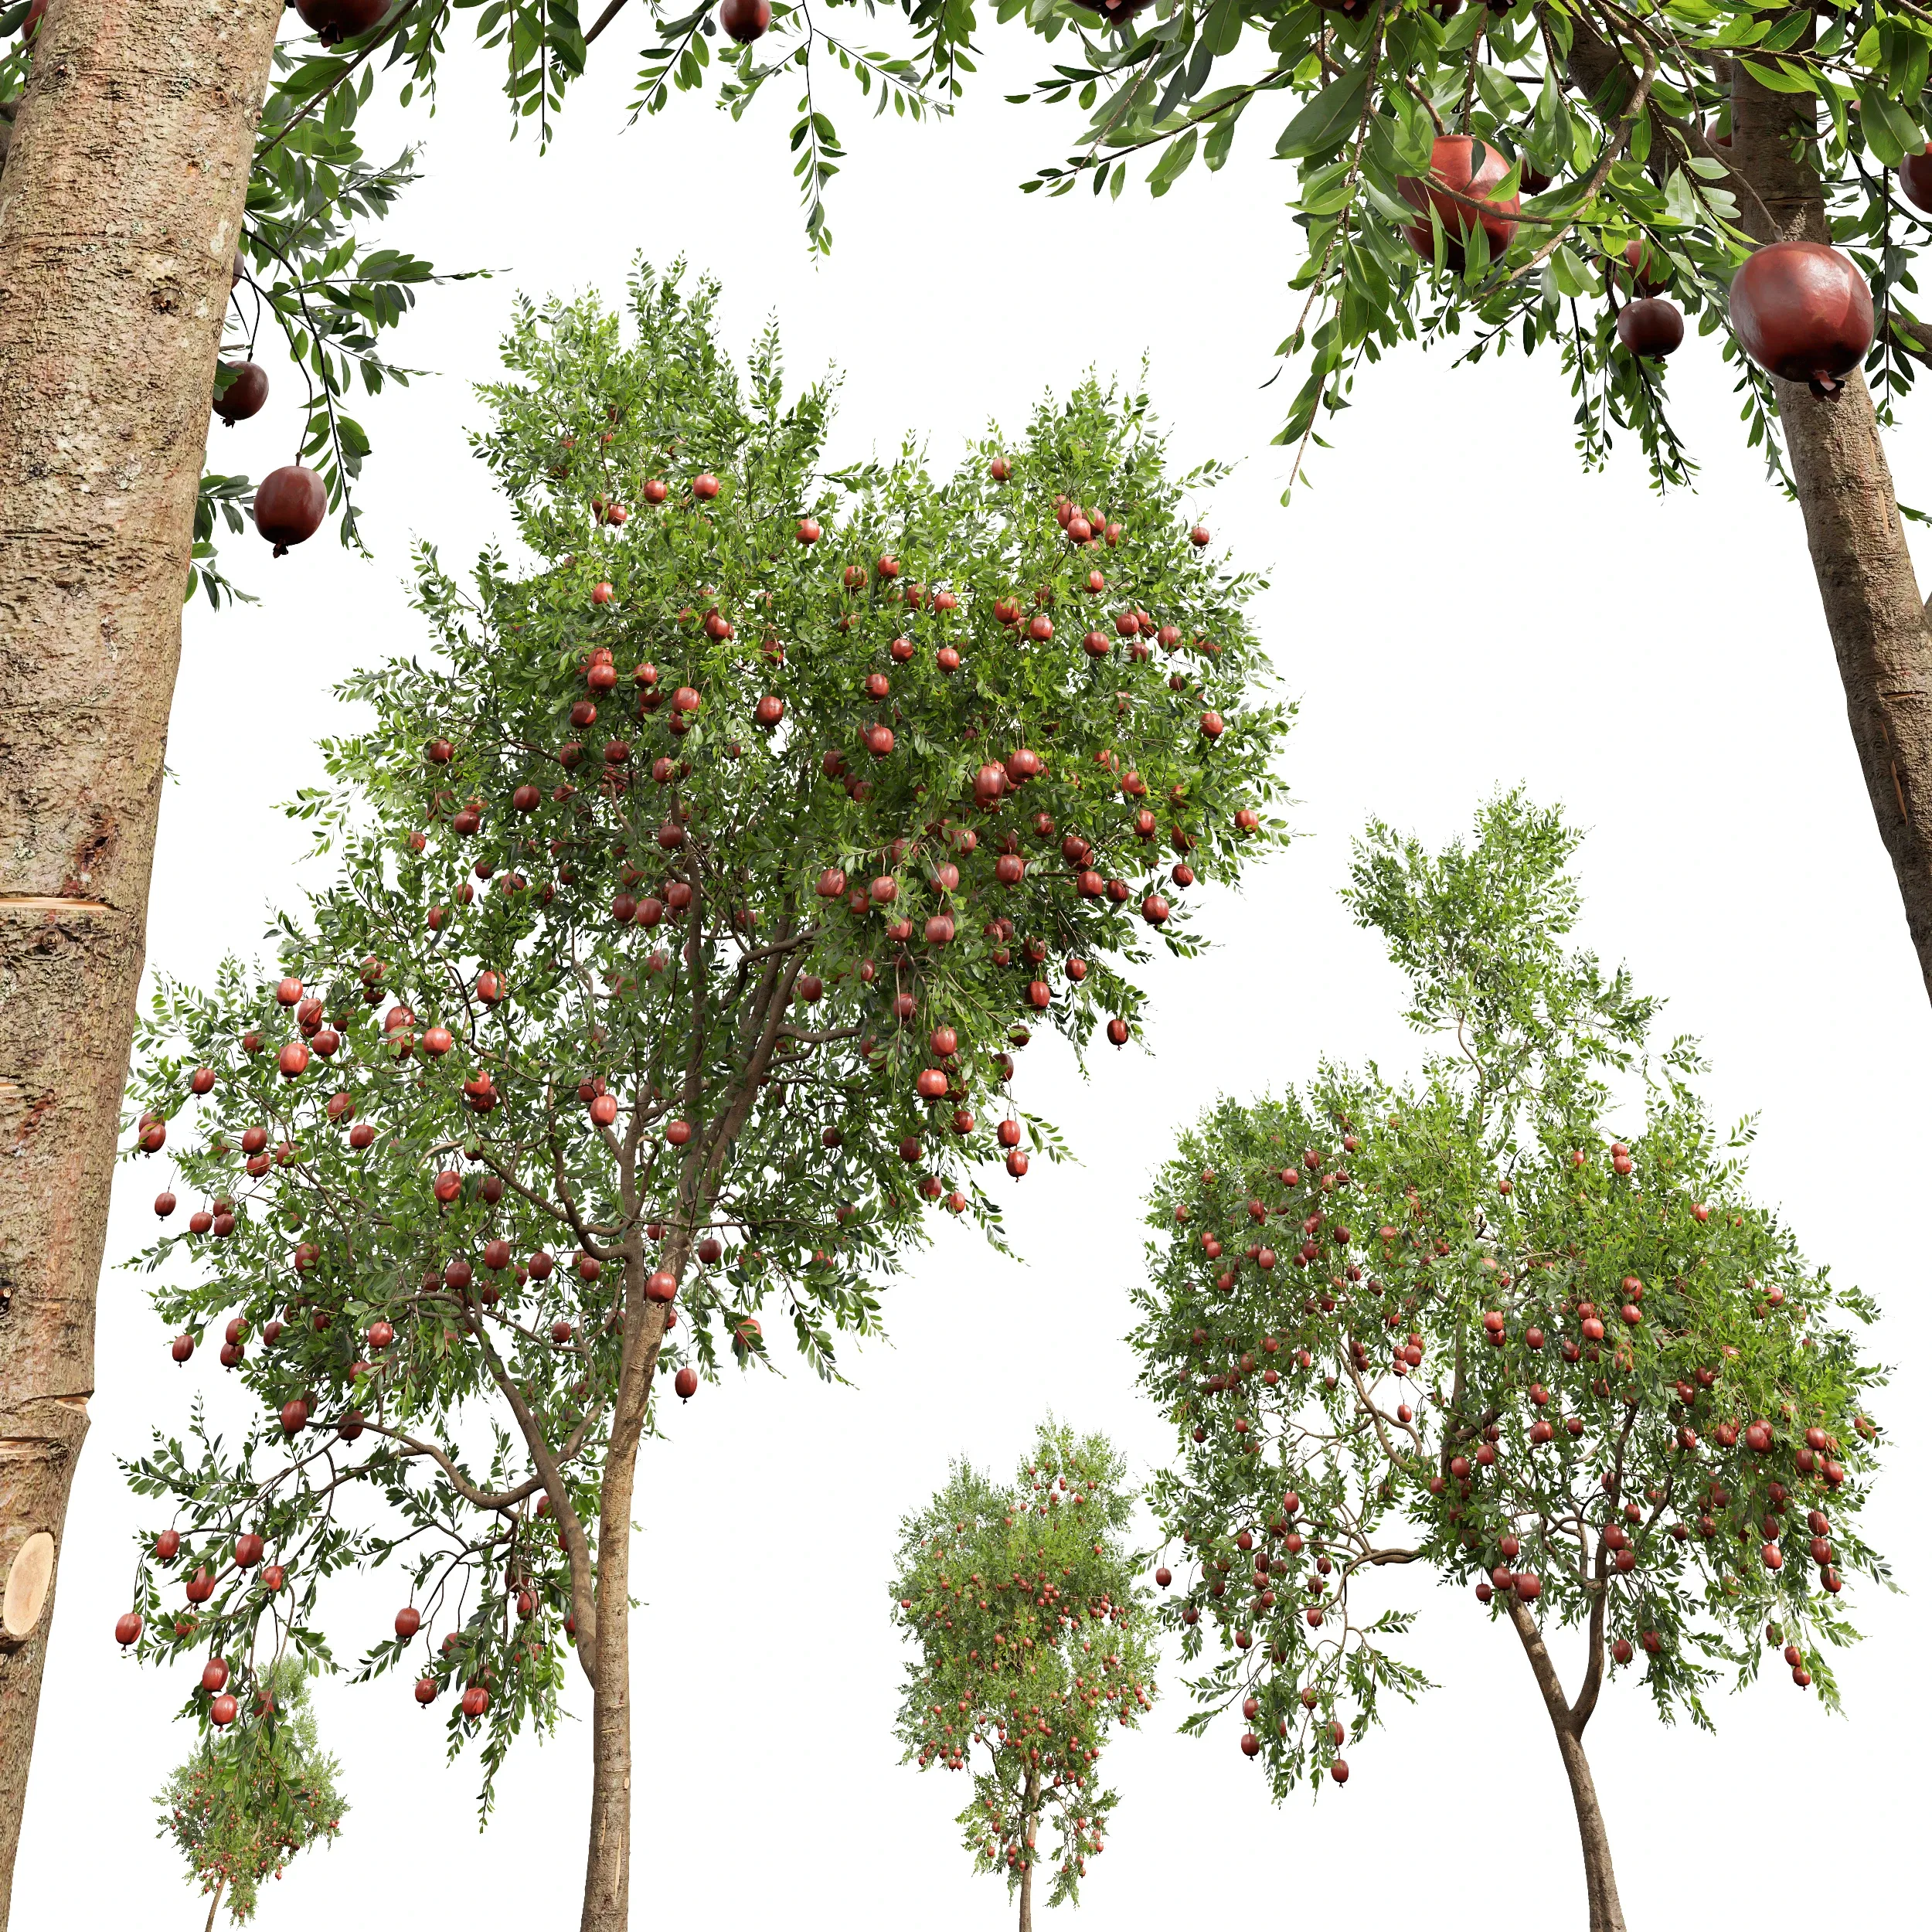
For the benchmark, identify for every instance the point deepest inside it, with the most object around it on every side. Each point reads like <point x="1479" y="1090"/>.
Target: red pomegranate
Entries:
<point x="127" y="1628"/>
<point x="290" y="505"/>
<point x="1915" y="179"/>
<point x="246" y="393"/>
<point x="1650" y="326"/>
<point x="1464" y="166"/>
<point x="686" y="1384"/>
<point x="745" y="20"/>
<point x="1803" y="312"/>
<point x="334" y="20"/>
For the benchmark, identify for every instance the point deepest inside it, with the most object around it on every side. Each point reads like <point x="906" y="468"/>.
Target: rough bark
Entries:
<point x="1599" y="1878"/>
<point x="1878" y="622"/>
<point x="120" y="202"/>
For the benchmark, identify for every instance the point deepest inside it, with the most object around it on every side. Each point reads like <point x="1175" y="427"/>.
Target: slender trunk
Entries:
<point x="1027" y="1828"/>
<point x="606" y="1878"/>
<point x="120" y="202"/>
<point x="1600" y="1880"/>
<point x="1877" y="620"/>
<point x="214" y="1904"/>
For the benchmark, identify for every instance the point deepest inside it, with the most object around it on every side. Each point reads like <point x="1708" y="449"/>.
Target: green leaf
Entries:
<point x="1327" y="119"/>
<point x="1173" y="164"/>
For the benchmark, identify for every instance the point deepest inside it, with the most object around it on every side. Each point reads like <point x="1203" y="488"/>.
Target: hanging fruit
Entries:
<point x="1803" y="313"/>
<point x="1650" y="326"/>
<point x="290" y="505"/>
<point x="1461" y="171"/>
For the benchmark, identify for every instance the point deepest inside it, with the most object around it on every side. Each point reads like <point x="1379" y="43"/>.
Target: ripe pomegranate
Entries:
<point x="686" y="1384"/>
<point x="246" y="393"/>
<point x="426" y="1690"/>
<point x="1651" y="326"/>
<point x="1915" y="179"/>
<point x="1803" y="312"/>
<point x="127" y="1628"/>
<point x="334" y="20"/>
<point x="290" y="505"/>
<point x="1466" y="168"/>
<point x="221" y="1711"/>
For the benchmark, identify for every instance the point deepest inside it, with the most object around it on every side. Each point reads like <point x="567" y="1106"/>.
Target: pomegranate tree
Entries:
<point x="696" y="900"/>
<point x="1034" y="1642"/>
<point x="1527" y="173"/>
<point x="242" y="1806"/>
<point x="1482" y="1321"/>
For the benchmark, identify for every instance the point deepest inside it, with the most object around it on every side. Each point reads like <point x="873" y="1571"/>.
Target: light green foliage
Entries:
<point x="583" y="1035"/>
<point x="242" y="1807"/>
<point x="1460" y="1322"/>
<point x="1035" y="1640"/>
<point x="1355" y="96"/>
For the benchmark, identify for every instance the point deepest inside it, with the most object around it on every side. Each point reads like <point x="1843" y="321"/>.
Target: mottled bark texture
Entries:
<point x="120" y="202"/>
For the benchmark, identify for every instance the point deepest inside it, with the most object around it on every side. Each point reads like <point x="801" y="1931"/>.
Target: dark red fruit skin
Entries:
<point x="1651" y="326"/>
<point x="1802" y="311"/>
<point x="290" y="505"/>
<point x="1115" y="11"/>
<point x="1449" y="167"/>
<point x="333" y="20"/>
<point x="245" y="395"/>
<point x="1915" y="179"/>
<point x="745" y="20"/>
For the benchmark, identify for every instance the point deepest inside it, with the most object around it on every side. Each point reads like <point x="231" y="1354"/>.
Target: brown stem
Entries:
<point x="214" y="1904"/>
<point x="121" y="206"/>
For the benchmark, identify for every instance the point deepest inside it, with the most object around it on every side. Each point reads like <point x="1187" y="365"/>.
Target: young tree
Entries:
<point x="242" y="1807"/>
<point x="175" y="175"/>
<point x="1586" y="1374"/>
<point x="692" y="904"/>
<point x="1658" y="150"/>
<point x="1035" y="1641"/>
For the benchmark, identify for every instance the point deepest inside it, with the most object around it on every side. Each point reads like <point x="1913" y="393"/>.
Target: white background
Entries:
<point x="1455" y="606"/>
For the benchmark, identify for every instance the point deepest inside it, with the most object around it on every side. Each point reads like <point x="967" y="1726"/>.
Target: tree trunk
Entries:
<point x="1878" y="622"/>
<point x="214" y="1904"/>
<point x="1600" y="1880"/>
<point x="120" y="202"/>
<point x="1027" y="1827"/>
<point x="606" y="1878"/>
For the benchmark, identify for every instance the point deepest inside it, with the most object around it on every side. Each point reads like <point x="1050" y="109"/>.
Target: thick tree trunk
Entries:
<point x="1877" y="620"/>
<point x="120" y="205"/>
